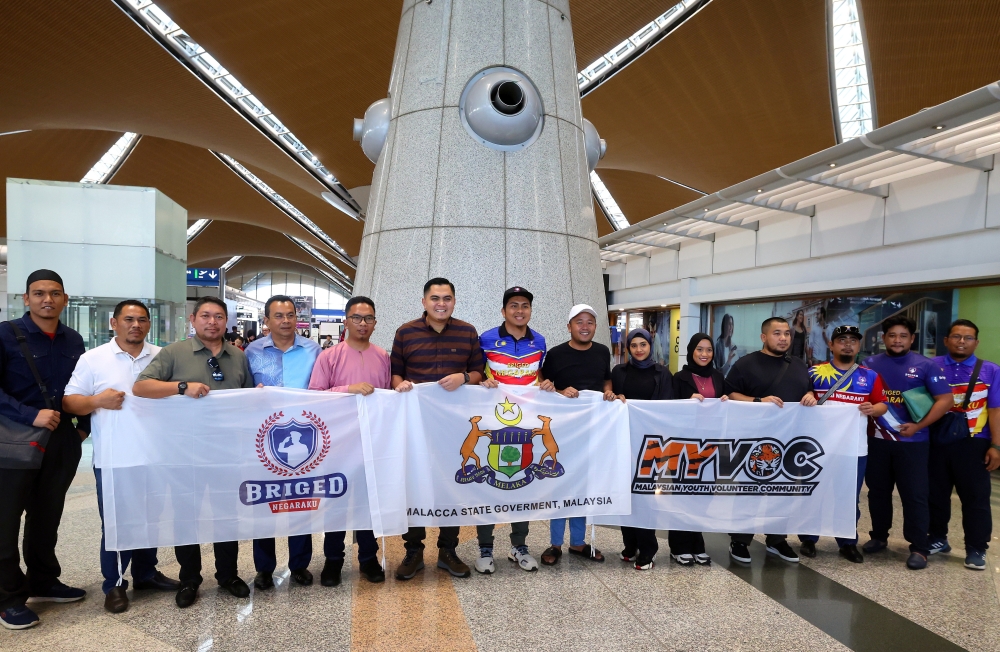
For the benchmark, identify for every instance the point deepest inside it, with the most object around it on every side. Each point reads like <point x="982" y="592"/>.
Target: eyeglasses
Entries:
<point x="217" y="375"/>
<point x="963" y="338"/>
<point x="357" y="319"/>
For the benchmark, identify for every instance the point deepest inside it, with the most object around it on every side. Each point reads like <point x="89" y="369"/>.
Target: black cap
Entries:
<point x="517" y="291"/>
<point x="846" y="331"/>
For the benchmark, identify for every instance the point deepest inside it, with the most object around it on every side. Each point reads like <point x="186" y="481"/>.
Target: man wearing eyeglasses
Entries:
<point x="965" y="465"/>
<point x="102" y="378"/>
<point x="193" y="368"/>
<point x="354" y="366"/>
<point x="283" y="358"/>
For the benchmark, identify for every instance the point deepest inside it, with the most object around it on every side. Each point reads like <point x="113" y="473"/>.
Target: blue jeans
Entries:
<point x="300" y="550"/>
<point x="577" y="530"/>
<point x="114" y="563"/>
<point x="812" y="538"/>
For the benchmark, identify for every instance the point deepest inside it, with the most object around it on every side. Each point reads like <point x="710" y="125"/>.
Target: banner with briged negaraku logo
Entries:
<point x="477" y="455"/>
<point x="743" y="467"/>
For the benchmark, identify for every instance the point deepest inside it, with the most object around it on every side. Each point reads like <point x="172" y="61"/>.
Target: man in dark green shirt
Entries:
<point x="193" y="368"/>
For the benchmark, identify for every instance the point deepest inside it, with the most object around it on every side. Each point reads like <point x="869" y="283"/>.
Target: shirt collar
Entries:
<point x="32" y="327"/>
<point x="968" y="362"/>
<point x="198" y="345"/>
<point x="503" y="332"/>
<point x="146" y="349"/>
<point x="427" y="325"/>
<point x="269" y="343"/>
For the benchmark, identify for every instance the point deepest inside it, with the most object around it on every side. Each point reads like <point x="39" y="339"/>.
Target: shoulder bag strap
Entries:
<point x="972" y="383"/>
<point x="777" y="379"/>
<point x="22" y="341"/>
<point x="840" y="383"/>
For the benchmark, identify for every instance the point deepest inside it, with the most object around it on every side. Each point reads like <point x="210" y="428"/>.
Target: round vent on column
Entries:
<point x="501" y="108"/>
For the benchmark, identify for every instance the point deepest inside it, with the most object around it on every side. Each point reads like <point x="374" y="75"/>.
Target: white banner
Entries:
<point x="477" y="455"/>
<point x="743" y="467"/>
<point x="235" y="465"/>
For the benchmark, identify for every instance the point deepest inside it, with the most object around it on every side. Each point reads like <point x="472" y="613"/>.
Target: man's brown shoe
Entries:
<point x="412" y="562"/>
<point x="448" y="560"/>
<point x="116" y="601"/>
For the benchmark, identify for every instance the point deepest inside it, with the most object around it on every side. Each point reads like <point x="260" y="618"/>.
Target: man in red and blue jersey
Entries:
<point x="514" y="354"/>
<point x="864" y="389"/>
<point x="965" y="465"/>
<point x="898" y="448"/>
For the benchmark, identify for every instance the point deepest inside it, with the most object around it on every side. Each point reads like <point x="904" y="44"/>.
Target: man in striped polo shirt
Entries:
<point x="435" y="348"/>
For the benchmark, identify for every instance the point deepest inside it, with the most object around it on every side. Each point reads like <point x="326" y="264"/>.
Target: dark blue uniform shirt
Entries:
<point x="20" y="397"/>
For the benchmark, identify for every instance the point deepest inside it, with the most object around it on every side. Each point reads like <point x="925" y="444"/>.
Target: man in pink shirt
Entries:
<point x="354" y="366"/>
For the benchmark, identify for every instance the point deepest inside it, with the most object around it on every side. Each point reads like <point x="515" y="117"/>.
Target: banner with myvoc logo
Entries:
<point x="477" y="455"/>
<point x="743" y="467"/>
<point x="235" y="465"/>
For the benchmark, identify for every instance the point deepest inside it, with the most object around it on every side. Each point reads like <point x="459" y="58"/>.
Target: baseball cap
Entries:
<point x="517" y="291"/>
<point x="846" y="331"/>
<point x="578" y="308"/>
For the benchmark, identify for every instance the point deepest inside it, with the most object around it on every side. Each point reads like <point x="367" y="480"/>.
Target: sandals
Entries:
<point x="552" y="553"/>
<point x="586" y="552"/>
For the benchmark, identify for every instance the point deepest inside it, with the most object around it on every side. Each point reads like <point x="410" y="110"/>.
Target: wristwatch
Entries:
<point x="756" y="400"/>
<point x="182" y="387"/>
<point x="466" y="374"/>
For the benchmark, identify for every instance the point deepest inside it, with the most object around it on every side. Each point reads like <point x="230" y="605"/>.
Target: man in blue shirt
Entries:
<point x="38" y="493"/>
<point x="898" y="448"/>
<point x="282" y="359"/>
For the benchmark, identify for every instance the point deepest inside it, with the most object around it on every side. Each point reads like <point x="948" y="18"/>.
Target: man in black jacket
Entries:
<point x="38" y="493"/>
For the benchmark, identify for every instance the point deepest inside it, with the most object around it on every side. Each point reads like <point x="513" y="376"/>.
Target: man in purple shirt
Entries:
<point x="965" y="465"/>
<point x="897" y="447"/>
<point x="354" y="366"/>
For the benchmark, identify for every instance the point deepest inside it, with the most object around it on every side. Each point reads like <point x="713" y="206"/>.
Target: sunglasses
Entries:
<point x="217" y="375"/>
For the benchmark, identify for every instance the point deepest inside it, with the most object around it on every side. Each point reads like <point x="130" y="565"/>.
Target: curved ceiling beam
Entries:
<point x="641" y="196"/>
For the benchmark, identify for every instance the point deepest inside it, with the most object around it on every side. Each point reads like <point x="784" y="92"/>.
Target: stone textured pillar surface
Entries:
<point x="443" y="204"/>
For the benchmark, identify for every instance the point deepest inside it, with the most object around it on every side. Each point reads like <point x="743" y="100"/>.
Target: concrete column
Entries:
<point x="690" y="321"/>
<point x="444" y="204"/>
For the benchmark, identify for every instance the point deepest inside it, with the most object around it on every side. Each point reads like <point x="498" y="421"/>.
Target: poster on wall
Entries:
<point x="736" y="327"/>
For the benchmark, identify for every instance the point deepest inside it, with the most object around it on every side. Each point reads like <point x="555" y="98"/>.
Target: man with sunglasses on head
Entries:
<point x="354" y="366"/>
<point x="282" y="358"/>
<point x="193" y="368"/>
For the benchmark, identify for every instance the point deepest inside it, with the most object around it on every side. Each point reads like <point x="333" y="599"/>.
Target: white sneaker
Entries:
<point x="484" y="563"/>
<point x="519" y="555"/>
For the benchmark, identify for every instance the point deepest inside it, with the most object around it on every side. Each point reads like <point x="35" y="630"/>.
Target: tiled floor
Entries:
<point x="577" y="605"/>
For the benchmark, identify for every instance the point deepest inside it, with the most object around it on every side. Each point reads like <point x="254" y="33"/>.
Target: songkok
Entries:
<point x="42" y="275"/>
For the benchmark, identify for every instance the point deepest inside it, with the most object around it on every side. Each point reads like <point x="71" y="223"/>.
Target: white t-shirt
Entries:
<point x="107" y="367"/>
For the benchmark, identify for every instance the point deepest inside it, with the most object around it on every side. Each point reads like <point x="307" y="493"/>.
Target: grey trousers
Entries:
<point x="518" y="533"/>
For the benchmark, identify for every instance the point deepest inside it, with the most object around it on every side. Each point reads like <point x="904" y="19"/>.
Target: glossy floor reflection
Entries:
<point x="823" y="604"/>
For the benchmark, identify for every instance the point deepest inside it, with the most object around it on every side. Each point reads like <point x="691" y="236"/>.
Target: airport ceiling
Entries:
<point x="738" y="88"/>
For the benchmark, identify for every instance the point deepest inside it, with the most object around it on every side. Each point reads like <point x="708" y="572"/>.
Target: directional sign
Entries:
<point x="203" y="276"/>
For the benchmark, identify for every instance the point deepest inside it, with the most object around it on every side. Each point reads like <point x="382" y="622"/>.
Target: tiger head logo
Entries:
<point x="764" y="461"/>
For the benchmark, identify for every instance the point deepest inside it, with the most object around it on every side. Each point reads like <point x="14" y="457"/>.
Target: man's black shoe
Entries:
<point x="263" y="581"/>
<point x="783" y="550"/>
<point x="740" y="552"/>
<point x="807" y="549"/>
<point x="236" y="587"/>
<point x="331" y="572"/>
<point x="116" y="601"/>
<point x="158" y="582"/>
<point x="302" y="577"/>
<point x="186" y="595"/>
<point x="372" y="571"/>
<point x="852" y="554"/>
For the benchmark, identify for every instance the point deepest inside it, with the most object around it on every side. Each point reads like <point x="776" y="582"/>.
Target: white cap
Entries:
<point x="578" y="308"/>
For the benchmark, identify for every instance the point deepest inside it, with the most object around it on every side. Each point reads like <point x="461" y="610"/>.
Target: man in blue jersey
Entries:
<point x="864" y="389"/>
<point x="513" y="355"/>
<point x="282" y="358"/>
<point x="898" y="448"/>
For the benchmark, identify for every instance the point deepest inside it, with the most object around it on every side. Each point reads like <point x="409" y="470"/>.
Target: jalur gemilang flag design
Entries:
<point x="478" y="455"/>
<point x="234" y="465"/>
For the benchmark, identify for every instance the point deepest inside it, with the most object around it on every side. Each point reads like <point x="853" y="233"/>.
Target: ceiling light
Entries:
<point x="938" y="127"/>
<point x="706" y="210"/>
<point x="663" y="305"/>
<point x="195" y="229"/>
<point x="608" y="203"/>
<point x="760" y="190"/>
<point x="318" y="255"/>
<point x="833" y="165"/>
<point x="108" y="164"/>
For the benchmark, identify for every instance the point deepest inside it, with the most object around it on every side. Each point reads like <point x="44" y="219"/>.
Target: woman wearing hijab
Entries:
<point x="699" y="379"/>
<point x="641" y="379"/>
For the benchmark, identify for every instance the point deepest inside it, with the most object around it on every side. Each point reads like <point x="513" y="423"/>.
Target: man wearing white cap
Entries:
<point x="570" y="368"/>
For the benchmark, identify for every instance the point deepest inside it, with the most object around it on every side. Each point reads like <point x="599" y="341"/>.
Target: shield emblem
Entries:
<point x="510" y="450"/>
<point x="292" y="444"/>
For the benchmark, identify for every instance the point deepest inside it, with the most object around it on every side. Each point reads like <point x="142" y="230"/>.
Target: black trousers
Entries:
<point x="414" y="538"/>
<point x="686" y="543"/>
<point x="189" y="557"/>
<point x="961" y="466"/>
<point x="40" y="494"/>
<point x="902" y="464"/>
<point x="641" y="539"/>
<point x="769" y="539"/>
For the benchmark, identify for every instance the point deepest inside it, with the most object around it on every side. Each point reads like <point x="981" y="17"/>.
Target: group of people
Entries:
<point x="436" y="347"/>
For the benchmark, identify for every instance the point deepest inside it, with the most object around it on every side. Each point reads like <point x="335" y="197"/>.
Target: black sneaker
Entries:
<point x="628" y="554"/>
<point x="58" y="592"/>
<point x="807" y="549"/>
<point x="783" y="550"/>
<point x="740" y="552"/>
<point x="372" y="571"/>
<point x="331" y="572"/>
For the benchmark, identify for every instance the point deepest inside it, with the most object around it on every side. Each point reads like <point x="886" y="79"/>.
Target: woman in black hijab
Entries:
<point x="641" y="379"/>
<point x="699" y="379"/>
